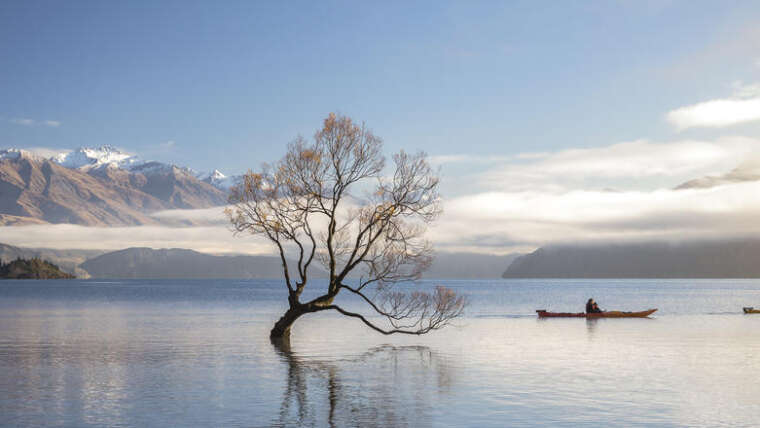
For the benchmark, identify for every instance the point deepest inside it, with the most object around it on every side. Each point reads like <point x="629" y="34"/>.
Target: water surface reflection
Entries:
<point x="385" y="386"/>
<point x="198" y="354"/>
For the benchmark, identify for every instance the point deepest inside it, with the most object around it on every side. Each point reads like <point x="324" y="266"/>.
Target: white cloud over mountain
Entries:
<point x="716" y="113"/>
<point x="211" y="239"/>
<point x="620" y="192"/>
<point x="743" y="107"/>
<point x="24" y="121"/>
<point x="521" y="202"/>
<point x="506" y="221"/>
<point x="640" y="164"/>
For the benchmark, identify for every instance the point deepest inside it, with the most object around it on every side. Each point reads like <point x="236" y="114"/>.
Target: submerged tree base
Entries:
<point x="281" y="328"/>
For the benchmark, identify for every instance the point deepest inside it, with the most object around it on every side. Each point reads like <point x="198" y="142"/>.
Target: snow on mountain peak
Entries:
<point x="209" y="176"/>
<point x="94" y="159"/>
<point x="218" y="180"/>
<point x="87" y="158"/>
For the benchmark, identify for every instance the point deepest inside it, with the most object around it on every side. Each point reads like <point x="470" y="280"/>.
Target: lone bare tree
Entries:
<point x="308" y="205"/>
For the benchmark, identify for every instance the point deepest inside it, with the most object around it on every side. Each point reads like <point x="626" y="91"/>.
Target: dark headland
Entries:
<point x="32" y="269"/>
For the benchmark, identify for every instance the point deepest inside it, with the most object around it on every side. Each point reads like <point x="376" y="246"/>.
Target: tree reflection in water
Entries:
<point x="385" y="386"/>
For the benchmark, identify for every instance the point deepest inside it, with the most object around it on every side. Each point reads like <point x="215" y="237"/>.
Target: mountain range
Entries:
<point x="707" y="259"/>
<point x="99" y="187"/>
<point x="181" y="263"/>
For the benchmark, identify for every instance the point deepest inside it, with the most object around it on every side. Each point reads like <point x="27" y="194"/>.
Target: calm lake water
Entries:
<point x="197" y="353"/>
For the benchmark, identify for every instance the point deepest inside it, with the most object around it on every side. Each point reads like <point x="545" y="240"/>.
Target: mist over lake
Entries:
<point x="197" y="353"/>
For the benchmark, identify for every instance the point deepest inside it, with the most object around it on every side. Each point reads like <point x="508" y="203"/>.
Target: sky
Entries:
<point x="534" y="111"/>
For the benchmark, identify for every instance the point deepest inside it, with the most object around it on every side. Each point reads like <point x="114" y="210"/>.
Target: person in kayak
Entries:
<point x="592" y="307"/>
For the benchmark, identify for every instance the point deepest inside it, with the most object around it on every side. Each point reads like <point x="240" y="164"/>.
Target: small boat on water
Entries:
<point x="751" y="310"/>
<point x="543" y="313"/>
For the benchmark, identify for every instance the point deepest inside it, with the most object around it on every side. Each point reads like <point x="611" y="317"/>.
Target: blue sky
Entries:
<point x="230" y="83"/>
<point x="552" y="122"/>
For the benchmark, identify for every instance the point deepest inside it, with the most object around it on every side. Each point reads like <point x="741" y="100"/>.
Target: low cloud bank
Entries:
<point x="635" y="165"/>
<point x="638" y="164"/>
<point x="490" y="222"/>
<point x="209" y="239"/>
<point x="519" y="221"/>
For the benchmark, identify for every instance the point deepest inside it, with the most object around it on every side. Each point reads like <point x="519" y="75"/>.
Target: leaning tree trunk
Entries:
<point x="281" y="328"/>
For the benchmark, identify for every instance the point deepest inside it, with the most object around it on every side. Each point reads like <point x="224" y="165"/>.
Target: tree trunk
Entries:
<point x="281" y="328"/>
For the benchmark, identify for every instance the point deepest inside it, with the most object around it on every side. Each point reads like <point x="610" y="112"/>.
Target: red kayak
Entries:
<point x="542" y="313"/>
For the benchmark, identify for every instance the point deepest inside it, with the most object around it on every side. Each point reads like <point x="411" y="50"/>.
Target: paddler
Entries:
<point x="592" y="307"/>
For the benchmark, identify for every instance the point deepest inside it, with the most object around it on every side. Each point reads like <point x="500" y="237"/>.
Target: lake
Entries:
<point x="197" y="353"/>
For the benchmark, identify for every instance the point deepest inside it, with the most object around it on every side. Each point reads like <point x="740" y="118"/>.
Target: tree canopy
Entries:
<point x="333" y="201"/>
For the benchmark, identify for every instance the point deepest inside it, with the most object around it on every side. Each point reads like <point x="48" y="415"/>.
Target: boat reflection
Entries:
<point x="385" y="386"/>
<point x="591" y="324"/>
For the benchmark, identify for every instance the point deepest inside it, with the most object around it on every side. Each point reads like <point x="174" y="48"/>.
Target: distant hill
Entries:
<point x="67" y="260"/>
<point x="180" y="263"/>
<point x="468" y="266"/>
<point x="31" y="269"/>
<point x="733" y="259"/>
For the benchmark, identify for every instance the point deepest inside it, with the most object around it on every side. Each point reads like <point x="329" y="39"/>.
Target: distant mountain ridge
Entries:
<point x="715" y="259"/>
<point x="181" y="263"/>
<point x="99" y="188"/>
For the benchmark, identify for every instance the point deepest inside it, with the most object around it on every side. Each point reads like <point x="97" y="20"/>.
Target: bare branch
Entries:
<point x="300" y="205"/>
<point x="427" y="311"/>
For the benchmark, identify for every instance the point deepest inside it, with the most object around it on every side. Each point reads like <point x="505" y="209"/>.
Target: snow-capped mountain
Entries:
<point x="103" y="156"/>
<point x="98" y="186"/>
<point x="218" y="180"/>
<point x="89" y="159"/>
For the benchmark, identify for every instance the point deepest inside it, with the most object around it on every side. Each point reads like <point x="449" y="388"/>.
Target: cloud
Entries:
<point x="716" y="113"/>
<point x="46" y="152"/>
<point x="504" y="221"/>
<point x="638" y="164"/>
<point x="22" y="121"/>
<point x="32" y="122"/>
<point x="743" y="106"/>
<point x="210" y="239"/>
<point x="564" y="196"/>
<point x="205" y="216"/>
